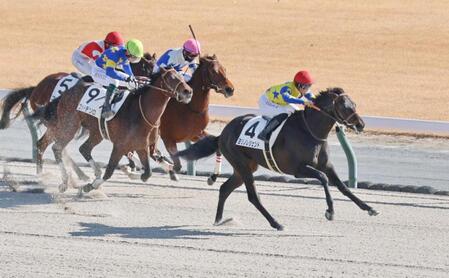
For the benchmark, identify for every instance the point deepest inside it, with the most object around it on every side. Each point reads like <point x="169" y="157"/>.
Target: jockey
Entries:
<point x="277" y="101"/>
<point x="105" y="72"/>
<point x="183" y="60"/>
<point x="83" y="57"/>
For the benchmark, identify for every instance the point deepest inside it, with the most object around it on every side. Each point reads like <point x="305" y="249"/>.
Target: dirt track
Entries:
<point x="168" y="232"/>
<point x="391" y="56"/>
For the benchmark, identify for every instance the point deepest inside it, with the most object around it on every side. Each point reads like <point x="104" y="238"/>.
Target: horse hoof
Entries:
<point x="145" y="177"/>
<point x="84" y="178"/>
<point x="88" y="187"/>
<point x="279" y="227"/>
<point x="212" y="179"/>
<point x="177" y="168"/>
<point x="329" y="215"/>
<point x="62" y="187"/>
<point x="372" y="212"/>
<point x="173" y="176"/>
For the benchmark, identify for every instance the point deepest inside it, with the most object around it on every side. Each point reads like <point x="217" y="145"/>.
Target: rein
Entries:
<point x="143" y="115"/>
<point x="338" y="118"/>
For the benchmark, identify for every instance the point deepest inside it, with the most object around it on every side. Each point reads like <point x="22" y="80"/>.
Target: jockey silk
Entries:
<point x="92" y="49"/>
<point x="286" y="93"/>
<point x="113" y="58"/>
<point x="174" y="58"/>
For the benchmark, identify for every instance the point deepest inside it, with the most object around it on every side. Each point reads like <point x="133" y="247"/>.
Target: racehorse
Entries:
<point x="186" y="122"/>
<point x="40" y="95"/>
<point x="301" y="149"/>
<point x="134" y="127"/>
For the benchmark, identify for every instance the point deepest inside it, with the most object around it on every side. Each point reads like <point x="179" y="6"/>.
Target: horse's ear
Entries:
<point x="154" y="56"/>
<point x="214" y="57"/>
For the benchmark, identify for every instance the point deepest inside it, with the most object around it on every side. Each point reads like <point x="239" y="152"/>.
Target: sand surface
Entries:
<point x="392" y="57"/>
<point x="164" y="229"/>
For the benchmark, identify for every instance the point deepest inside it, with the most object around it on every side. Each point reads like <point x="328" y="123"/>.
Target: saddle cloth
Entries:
<point x="248" y="135"/>
<point x="64" y="84"/>
<point x="93" y="99"/>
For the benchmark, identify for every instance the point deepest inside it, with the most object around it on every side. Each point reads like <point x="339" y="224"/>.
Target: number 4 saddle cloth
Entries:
<point x="248" y="138"/>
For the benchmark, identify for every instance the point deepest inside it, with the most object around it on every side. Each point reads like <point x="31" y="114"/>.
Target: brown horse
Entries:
<point x="186" y="122"/>
<point x="40" y="96"/>
<point x="135" y="127"/>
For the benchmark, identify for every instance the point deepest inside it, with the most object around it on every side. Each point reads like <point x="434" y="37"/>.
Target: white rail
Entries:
<point x="376" y="123"/>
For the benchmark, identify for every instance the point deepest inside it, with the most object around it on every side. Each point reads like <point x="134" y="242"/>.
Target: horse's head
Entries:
<point x="145" y="66"/>
<point x="335" y="102"/>
<point x="214" y="76"/>
<point x="174" y="85"/>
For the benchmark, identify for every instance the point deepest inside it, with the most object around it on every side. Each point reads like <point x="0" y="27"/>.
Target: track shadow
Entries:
<point x="162" y="232"/>
<point x="19" y="199"/>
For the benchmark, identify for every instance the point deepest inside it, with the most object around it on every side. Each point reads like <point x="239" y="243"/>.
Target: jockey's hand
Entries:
<point x="132" y="82"/>
<point x="309" y="104"/>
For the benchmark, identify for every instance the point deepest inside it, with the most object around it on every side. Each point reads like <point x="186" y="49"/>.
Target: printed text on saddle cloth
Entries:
<point x="93" y="99"/>
<point x="248" y="136"/>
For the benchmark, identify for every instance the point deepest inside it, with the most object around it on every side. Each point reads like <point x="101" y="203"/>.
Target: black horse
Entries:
<point x="301" y="149"/>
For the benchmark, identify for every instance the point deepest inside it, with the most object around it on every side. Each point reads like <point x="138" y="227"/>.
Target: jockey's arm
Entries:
<point x="127" y="69"/>
<point x="309" y="96"/>
<point x="189" y="72"/>
<point x="113" y="73"/>
<point x="291" y="99"/>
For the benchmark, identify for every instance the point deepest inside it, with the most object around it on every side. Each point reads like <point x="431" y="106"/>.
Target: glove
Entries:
<point x="132" y="82"/>
<point x="309" y="104"/>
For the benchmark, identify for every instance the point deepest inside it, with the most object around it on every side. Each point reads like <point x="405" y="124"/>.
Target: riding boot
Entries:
<point x="107" y="113"/>
<point x="264" y="135"/>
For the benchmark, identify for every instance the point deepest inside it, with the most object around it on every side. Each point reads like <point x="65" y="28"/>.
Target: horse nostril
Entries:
<point x="229" y="90"/>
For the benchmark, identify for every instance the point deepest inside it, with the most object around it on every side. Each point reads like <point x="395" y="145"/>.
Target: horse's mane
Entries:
<point x="322" y="94"/>
<point x="208" y="58"/>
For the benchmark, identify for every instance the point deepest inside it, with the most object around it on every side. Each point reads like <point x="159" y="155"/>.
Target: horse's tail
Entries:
<point x="47" y="113"/>
<point x="10" y="101"/>
<point x="203" y="148"/>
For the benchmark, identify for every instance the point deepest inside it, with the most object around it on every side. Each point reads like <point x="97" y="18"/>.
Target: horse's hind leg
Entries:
<point x="245" y="169"/>
<point x="309" y="171"/>
<point x="226" y="189"/>
<point x="42" y="145"/>
<point x="333" y="178"/>
<point x="81" y="175"/>
<point x="217" y="170"/>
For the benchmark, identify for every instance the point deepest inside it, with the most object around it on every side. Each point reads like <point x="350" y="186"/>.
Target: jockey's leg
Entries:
<point x="81" y="63"/>
<point x="272" y="125"/>
<point x="107" y="103"/>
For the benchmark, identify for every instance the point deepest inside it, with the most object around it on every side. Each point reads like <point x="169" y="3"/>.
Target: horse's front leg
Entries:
<point x="143" y="156"/>
<point x="172" y="149"/>
<point x="335" y="180"/>
<point x="309" y="171"/>
<point x="114" y="159"/>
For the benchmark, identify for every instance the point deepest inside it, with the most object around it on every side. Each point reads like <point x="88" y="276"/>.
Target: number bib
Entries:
<point x="63" y="85"/>
<point x="248" y="136"/>
<point x="93" y="99"/>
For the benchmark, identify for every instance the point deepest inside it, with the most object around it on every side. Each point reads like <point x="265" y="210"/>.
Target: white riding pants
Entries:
<point x="82" y="63"/>
<point x="270" y="109"/>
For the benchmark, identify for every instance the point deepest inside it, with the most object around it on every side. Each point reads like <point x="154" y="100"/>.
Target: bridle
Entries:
<point x="338" y="117"/>
<point x="169" y="92"/>
<point x="210" y="84"/>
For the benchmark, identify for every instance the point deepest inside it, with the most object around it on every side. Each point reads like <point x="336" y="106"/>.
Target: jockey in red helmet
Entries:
<point x="84" y="56"/>
<point x="277" y="101"/>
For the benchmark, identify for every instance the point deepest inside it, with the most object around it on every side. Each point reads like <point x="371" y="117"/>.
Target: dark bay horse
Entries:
<point x="301" y="149"/>
<point x="135" y="127"/>
<point x="186" y="122"/>
<point x="38" y="96"/>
